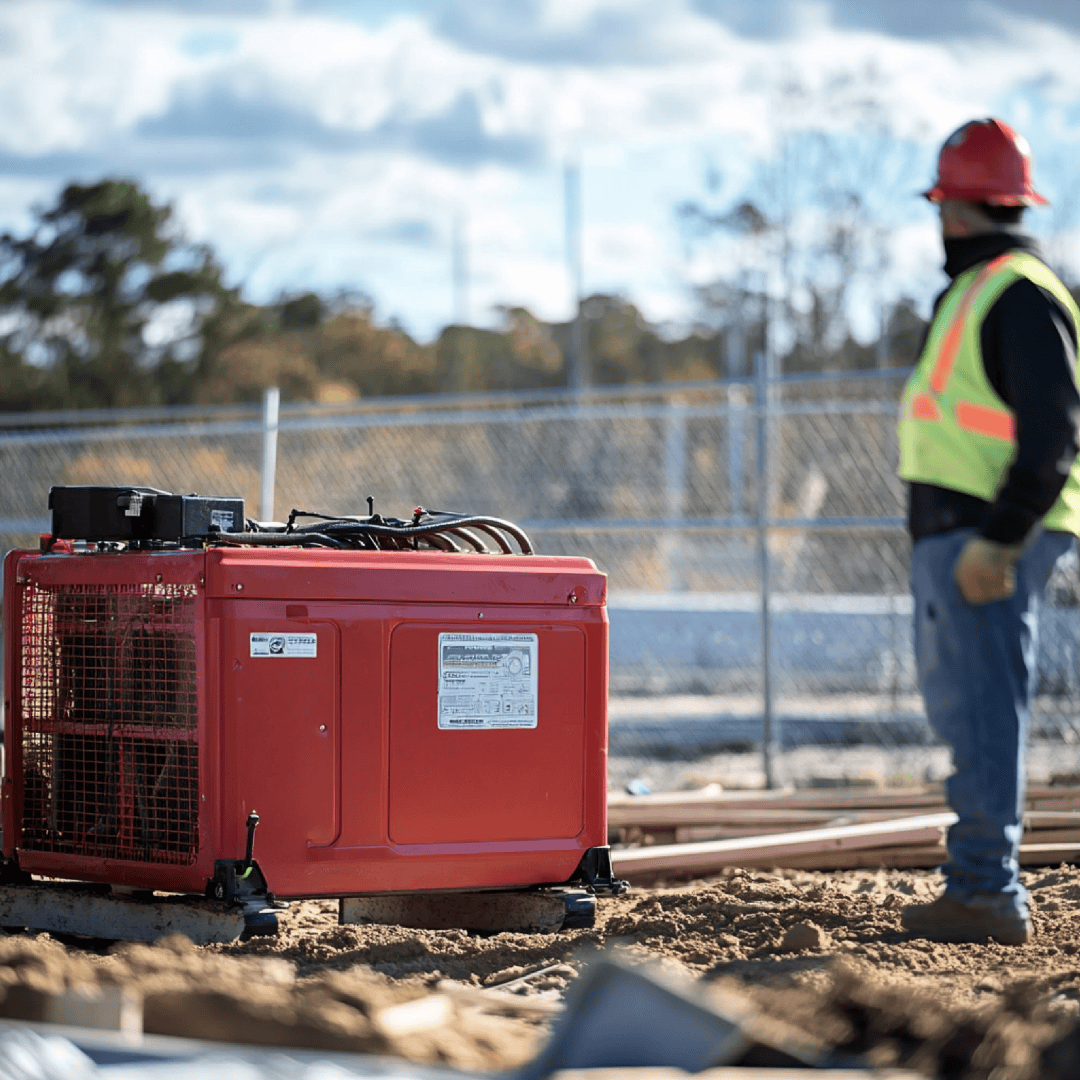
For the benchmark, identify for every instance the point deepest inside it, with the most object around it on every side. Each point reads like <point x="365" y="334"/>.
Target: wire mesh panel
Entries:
<point x="109" y="721"/>
<point x="752" y="534"/>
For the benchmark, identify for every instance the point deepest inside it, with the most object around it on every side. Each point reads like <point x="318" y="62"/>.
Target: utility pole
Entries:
<point x="460" y="270"/>
<point x="578" y="367"/>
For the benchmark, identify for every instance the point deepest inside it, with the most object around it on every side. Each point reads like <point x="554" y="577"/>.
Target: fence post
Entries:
<point x="761" y="520"/>
<point x="271" y="404"/>
<point x="674" y="492"/>
<point x="736" y="436"/>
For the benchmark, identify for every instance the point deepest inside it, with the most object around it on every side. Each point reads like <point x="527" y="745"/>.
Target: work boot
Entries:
<point x="951" y="920"/>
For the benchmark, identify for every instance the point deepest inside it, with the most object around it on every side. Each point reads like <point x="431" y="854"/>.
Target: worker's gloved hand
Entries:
<point x="984" y="570"/>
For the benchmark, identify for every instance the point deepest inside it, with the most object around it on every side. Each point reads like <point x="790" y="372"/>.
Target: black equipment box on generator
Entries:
<point x="127" y="514"/>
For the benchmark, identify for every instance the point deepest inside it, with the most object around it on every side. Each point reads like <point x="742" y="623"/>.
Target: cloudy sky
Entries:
<point x="333" y="143"/>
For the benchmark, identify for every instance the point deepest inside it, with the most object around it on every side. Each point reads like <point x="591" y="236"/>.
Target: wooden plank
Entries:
<point x="1038" y="798"/>
<point x="675" y="816"/>
<point x="1051" y="836"/>
<point x="690" y="834"/>
<point x="908" y="857"/>
<point x="693" y="834"/>
<point x="810" y="799"/>
<point x="1048" y="854"/>
<point x="1052" y="819"/>
<point x="680" y="810"/>
<point x="715" y="854"/>
<point x="1053" y="798"/>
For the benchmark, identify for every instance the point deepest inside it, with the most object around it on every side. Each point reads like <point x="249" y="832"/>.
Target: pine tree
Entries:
<point x="103" y="303"/>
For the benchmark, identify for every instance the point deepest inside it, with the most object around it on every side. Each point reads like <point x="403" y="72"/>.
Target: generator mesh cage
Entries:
<point x="110" y="721"/>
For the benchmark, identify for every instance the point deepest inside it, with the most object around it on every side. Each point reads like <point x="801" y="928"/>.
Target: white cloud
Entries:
<point x="295" y="142"/>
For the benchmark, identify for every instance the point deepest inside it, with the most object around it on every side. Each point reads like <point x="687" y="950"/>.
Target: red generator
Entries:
<point x="412" y="713"/>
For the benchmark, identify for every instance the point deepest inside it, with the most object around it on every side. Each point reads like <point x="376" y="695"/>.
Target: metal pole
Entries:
<point x="578" y="374"/>
<point x="883" y="344"/>
<point x="736" y="434"/>
<point x="768" y="733"/>
<point x="271" y="407"/>
<point x="675" y="490"/>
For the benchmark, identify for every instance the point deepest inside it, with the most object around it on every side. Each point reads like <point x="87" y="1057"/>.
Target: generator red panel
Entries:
<point x="487" y="732"/>
<point x="280" y="690"/>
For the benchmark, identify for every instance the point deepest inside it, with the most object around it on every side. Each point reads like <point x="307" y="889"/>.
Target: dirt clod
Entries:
<point x="803" y="937"/>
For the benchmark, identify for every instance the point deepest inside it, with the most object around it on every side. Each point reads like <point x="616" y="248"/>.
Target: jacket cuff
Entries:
<point x="1006" y="523"/>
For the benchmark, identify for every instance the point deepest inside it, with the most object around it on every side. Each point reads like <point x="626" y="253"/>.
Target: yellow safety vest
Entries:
<point x="955" y="430"/>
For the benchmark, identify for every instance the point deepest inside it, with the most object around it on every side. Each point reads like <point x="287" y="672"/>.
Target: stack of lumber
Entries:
<point x="685" y="834"/>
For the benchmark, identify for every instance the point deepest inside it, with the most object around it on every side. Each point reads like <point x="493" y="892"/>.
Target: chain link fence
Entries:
<point x="751" y="531"/>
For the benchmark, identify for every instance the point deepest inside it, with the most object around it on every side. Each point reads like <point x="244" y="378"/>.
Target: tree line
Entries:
<point x="104" y="303"/>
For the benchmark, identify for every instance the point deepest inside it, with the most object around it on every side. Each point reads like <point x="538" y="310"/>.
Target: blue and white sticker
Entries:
<point x="487" y="681"/>
<point x="284" y="645"/>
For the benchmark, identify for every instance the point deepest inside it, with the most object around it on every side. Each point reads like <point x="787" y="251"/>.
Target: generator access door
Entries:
<point x="280" y="713"/>
<point x="487" y="733"/>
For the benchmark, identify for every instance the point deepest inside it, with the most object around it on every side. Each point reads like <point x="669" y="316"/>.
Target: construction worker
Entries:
<point x="988" y="446"/>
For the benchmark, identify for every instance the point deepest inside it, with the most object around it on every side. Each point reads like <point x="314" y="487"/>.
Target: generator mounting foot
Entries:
<point x="259" y="920"/>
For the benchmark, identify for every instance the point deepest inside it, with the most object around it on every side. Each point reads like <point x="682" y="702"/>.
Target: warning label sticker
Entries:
<point x="284" y="644"/>
<point x="225" y="520"/>
<point x="487" y="681"/>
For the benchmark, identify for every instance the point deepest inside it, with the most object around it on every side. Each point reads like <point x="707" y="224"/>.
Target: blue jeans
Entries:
<point x="976" y="666"/>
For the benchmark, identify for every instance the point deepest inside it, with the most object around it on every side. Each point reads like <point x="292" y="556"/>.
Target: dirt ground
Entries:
<point x="823" y="951"/>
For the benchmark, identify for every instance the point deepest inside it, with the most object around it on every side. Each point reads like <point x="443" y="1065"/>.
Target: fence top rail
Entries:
<point x="251" y="412"/>
<point x="575" y="411"/>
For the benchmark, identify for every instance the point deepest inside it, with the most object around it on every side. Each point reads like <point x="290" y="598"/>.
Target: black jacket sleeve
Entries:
<point x="1029" y="353"/>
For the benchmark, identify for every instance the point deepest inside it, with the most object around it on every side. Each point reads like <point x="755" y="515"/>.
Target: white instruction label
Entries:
<point x="487" y="681"/>
<point x="284" y="644"/>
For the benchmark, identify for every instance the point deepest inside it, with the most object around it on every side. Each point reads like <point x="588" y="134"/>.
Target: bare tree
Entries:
<point x="814" y="228"/>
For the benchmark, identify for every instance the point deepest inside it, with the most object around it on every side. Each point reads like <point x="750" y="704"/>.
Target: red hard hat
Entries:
<point x="985" y="161"/>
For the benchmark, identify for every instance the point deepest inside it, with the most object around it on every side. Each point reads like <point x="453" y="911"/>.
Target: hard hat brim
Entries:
<point x="939" y="194"/>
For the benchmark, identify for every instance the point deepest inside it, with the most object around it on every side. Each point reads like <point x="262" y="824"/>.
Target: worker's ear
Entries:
<point x="960" y="219"/>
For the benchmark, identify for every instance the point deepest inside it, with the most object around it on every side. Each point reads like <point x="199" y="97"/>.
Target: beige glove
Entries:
<point x="984" y="570"/>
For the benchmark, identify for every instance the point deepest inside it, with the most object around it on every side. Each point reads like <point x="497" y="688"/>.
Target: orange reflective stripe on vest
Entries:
<point x="946" y="359"/>
<point x="984" y="420"/>
<point x="924" y="407"/>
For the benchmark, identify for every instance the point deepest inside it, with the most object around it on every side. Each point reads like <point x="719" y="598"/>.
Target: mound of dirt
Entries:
<point x="824" y="952"/>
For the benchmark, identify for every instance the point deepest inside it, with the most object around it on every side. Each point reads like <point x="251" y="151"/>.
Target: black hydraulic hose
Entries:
<point x="391" y="534"/>
<point x="442" y="541"/>
<point x="497" y="525"/>
<point x="278" y="540"/>
<point x="348" y="519"/>
<point x="471" y="539"/>
<point x="499" y="539"/>
<point x="470" y="521"/>
<point x="334" y="524"/>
